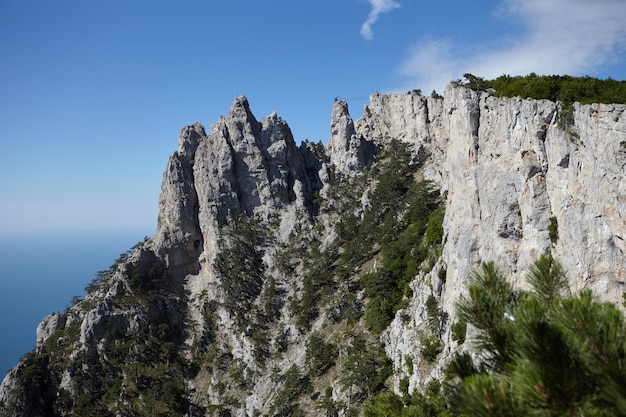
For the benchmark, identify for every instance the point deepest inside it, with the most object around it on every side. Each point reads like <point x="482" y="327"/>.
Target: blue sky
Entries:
<point x="93" y="93"/>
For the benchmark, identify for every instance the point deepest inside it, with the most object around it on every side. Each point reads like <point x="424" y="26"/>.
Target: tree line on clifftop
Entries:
<point x="563" y="88"/>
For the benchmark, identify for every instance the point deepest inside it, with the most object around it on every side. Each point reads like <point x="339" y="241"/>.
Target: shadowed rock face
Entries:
<point x="509" y="169"/>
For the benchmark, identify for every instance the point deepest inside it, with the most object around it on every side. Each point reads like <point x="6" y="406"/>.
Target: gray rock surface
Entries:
<point x="349" y="152"/>
<point x="509" y="169"/>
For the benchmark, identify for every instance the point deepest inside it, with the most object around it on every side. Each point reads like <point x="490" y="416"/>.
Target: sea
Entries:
<point x="41" y="273"/>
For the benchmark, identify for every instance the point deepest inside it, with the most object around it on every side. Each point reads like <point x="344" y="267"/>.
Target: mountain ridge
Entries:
<point x="243" y="210"/>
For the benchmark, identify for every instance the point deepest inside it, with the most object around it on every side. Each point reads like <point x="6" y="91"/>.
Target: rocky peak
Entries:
<point x="517" y="179"/>
<point x="240" y="111"/>
<point x="178" y="238"/>
<point x="349" y="153"/>
<point x="242" y="166"/>
<point x="251" y="167"/>
<point x="399" y="116"/>
<point x="188" y="140"/>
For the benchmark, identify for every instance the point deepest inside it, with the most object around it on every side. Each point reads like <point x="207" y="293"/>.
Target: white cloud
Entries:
<point x="559" y="37"/>
<point x="431" y="65"/>
<point x="378" y="7"/>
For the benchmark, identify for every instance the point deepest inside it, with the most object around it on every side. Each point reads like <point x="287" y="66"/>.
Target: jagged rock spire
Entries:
<point x="348" y="151"/>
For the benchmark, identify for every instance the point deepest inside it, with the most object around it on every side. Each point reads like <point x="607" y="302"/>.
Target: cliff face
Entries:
<point x="523" y="177"/>
<point x="247" y="275"/>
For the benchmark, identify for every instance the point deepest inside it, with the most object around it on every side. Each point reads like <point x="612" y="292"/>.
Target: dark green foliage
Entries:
<point x="294" y="385"/>
<point x="384" y="297"/>
<point x="563" y="88"/>
<point x="38" y="377"/>
<point x="565" y="118"/>
<point x="348" y="308"/>
<point x="394" y="176"/>
<point x="240" y="264"/>
<point x="459" y="329"/>
<point x="35" y="385"/>
<point x="366" y="367"/>
<point x="272" y="300"/>
<point x="383" y="405"/>
<point x="120" y="371"/>
<point x="144" y="367"/>
<point x="436" y="317"/>
<point x="553" y="230"/>
<point x="431" y="403"/>
<point x="434" y="229"/>
<point x="476" y="83"/>
<point x="98" y="280"/>
<point x="548" y="280"/>
<point x="404" y="386"/>
<point x="491" y="300"/>
<point x="431" y="348"/>
<point x="104" y="276"/>
<point x="328" y="406"/>
<point x="434" y="94"/>
<point x="431" y="340"/>
<point x="317" y="283"/>
<point x="320" y="355"/>
<point x="408" y="360"/>
<point x="597" y="333"/>
<point x="262" y="316"/>
<point x="403" y="251"/>
<point x="402" y="223"/>
<point x="544" y="354"/>
<point x="146" y="278"/>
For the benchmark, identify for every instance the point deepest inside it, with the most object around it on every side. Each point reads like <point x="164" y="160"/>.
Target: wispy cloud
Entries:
<point x="558" y="37"/>
<point x="378" y="7"/>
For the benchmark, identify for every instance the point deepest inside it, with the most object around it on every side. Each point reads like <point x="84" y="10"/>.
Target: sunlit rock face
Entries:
<point x="519" y="178"/>
<point x="523" y="177"/>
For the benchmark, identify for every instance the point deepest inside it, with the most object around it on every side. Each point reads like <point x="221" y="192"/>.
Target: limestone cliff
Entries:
<point x="250" y="274"/>
<point x="513" y="169"/>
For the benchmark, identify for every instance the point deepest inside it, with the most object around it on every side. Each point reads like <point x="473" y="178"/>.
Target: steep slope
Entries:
<point x="279" y="275"/>
<point x="523" y="177"/>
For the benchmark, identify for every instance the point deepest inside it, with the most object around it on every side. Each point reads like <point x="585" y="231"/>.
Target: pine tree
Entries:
<point x="540" y="353"/>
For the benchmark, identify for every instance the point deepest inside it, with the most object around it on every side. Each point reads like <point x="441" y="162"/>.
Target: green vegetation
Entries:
<point x="144" y="367"/>
<point x="294" y="384"/>
<point x="317" y="283"/>
<point x="563" y="88"/>
<point x="404" y="248"/>
<point x="432" y="403"/>
<point x="544" y="353"/>
<point x="240" y="264"/>
<point x="553" y="230"/>
<point x="541" y="353"/>
<point x="365" y="368"/>
<point x="459" y="330"/>
<point x="431" y="348"/>
<point x="436" y="320"/>
<point x="320" y="355"/>
<point x="328" y="406"/>
<point x="103" y="277"/>
<point x="138" y="363"/>
<point x="402" y="225"/>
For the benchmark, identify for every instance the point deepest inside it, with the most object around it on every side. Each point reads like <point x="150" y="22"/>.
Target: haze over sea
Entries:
<point x="41" y="273"/>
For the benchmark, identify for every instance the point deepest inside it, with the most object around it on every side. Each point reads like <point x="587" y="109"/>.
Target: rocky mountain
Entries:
<point x="301" y="280"/>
